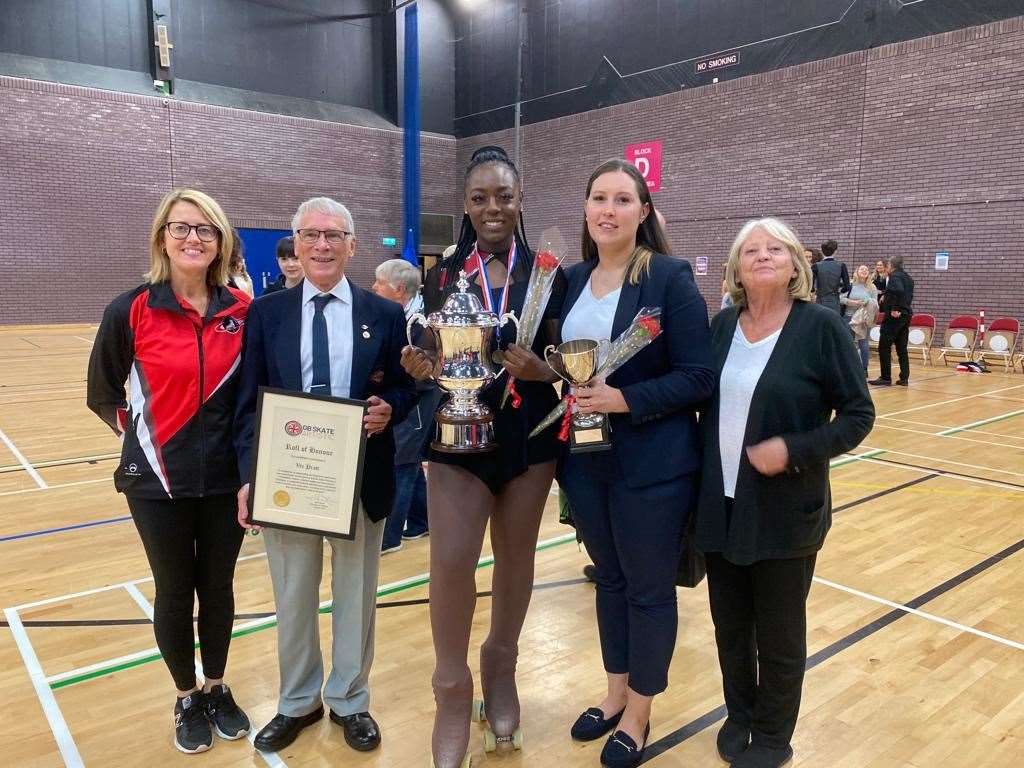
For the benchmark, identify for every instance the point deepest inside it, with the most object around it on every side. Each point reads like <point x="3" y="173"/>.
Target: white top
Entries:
<point x="338" y="314"/>
<point x="591" y="318"/>
<point x="243" y="282"/>
<point x="743" y="368"/>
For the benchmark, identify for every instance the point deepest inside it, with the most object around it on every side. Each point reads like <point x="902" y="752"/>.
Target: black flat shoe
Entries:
<point x="620" y="751"/>
<point x="592" y="724"/>
<point x="880" y="382"/>
<point x="283" y="730"/>
<point x="760" y="756"/>
<point x="732" y="740"/>
<point x="361" y="730"/>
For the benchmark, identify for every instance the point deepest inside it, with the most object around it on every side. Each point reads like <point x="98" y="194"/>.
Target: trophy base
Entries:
<point x="589" y="439"/>
<point x="464" y="435"/>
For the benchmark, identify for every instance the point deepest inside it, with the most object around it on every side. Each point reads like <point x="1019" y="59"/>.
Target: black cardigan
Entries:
<point x="813" y="371"/>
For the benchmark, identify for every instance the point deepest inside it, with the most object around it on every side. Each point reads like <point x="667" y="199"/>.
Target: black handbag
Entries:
<point x="691" y="560"/>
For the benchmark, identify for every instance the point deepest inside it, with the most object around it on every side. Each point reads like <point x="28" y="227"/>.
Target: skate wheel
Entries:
<point x="517" y="739"/>
<point x="490" y="741"/>
<point x="477" y="713"/>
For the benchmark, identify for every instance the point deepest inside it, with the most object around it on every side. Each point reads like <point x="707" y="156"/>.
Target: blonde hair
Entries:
<point x="799" y="284"/>
<point x="867" y="277"/>
<point x="160" y="265"/>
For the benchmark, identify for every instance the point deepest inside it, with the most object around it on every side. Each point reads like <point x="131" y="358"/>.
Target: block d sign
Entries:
<point x="718" y="62"/>
<point x="646" y="156"/>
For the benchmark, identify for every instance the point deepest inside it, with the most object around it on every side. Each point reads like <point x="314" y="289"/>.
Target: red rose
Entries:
<point x="652" y="325"/>
<point x="546" y="261"/>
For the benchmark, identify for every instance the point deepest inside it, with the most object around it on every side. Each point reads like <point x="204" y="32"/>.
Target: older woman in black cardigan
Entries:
<point x="791" y="395"/>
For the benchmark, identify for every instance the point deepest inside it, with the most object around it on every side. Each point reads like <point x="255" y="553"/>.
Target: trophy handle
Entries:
<point x="552" y="351"/>
<point x="416" y="318"/>
<point x="510" y="315"/>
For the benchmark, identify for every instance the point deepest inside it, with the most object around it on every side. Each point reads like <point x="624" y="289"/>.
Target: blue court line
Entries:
<point x="48" y="531"/>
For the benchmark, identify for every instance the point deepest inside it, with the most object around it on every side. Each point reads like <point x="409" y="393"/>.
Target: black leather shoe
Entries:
<point x="903" y="383"/>
<point x="592" y="724"/>
<point x="733" y="739"/>
<point x="283" y="730"/>
<point x="361" y="731"/>
<point x="880" y="382"/>
<point x="760" y="756"/>
<point x="620" y="751"/>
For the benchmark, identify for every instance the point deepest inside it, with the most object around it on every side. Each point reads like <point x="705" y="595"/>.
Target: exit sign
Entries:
<point x="389" y="242"/>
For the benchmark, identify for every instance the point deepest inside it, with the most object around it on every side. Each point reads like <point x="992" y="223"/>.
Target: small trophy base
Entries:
<point x="464" y="434"/>
<point x="589" y="439"/>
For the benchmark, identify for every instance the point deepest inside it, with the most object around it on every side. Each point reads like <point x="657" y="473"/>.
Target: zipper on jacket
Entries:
<point x="199" y="411"/>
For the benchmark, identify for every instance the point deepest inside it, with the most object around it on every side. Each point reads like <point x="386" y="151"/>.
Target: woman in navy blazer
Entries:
<point x="631" y="503"/>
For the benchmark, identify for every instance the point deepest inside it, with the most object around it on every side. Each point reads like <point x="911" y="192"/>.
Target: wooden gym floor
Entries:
<point x="915" y="620"/>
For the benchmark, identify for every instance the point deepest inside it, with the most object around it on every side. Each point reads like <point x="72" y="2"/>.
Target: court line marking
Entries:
<point x="22" y="460"/>
<point x="946" y="426"/>
<point x="100" y="669"/>
<point x="981" y="423"/>
<point x="63" y="529"/>
<point x="138" y="597"/>
<point x="951" y="436"/>
<point x="948" y="474"/>
<point x="56" y="487"/>
<point x="947" y="402"/>
<point x="62" y="462"/>
<point x="90" y="342"/>
<point x="58" y="725"/>
<point x="877" y="451"/>
<point x="73" y="595"/>
<point x="921" y="614"/>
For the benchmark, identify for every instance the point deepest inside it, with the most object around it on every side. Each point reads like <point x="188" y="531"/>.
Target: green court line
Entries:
<point x="982" y="423"/>
<point x="404" y="586"/>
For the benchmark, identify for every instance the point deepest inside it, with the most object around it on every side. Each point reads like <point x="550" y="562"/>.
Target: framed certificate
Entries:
<point x="307" y="462"/>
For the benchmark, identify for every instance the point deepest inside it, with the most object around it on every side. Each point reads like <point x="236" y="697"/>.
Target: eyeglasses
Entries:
<point x="180" y="230"/>
<point x="311" y="236"/>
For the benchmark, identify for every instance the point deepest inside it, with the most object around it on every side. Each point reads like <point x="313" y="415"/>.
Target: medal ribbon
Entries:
<point x="477" y="261"/>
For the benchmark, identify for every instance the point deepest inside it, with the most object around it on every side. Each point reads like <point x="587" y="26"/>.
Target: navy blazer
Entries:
<point x="665" y="382"/>
<point x="270" y="358"/>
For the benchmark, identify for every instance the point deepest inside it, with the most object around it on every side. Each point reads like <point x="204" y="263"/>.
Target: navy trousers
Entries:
<point x="635" y="538"/>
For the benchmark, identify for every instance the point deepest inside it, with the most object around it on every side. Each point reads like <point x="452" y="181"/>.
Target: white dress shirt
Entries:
<point x="740" y="374"/>
<point x="338" y="314"/>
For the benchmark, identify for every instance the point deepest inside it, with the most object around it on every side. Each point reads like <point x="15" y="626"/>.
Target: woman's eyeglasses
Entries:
<point x="180" y="230"/>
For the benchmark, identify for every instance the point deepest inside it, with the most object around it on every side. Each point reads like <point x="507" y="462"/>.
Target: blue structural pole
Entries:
<point x="411" y="138"/>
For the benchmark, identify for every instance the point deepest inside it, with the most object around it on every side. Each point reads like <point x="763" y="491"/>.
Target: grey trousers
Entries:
<point x="296" y="566"/>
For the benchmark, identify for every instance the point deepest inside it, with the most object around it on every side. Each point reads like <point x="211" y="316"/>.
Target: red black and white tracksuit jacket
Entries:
<point x="182" y="373"/>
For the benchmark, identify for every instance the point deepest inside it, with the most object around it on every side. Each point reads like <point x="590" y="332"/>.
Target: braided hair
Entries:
<point x="451" y="266"/>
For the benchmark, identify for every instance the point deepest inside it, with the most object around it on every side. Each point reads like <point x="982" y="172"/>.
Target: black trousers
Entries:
<point x="760" y="618"/>
<point x="635" y="538"/>
<point x="192" y="546"/>
<point x="894" y="330"/>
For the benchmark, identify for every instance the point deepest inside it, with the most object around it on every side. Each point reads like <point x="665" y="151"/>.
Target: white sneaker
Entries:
<point x="389" y="550"/>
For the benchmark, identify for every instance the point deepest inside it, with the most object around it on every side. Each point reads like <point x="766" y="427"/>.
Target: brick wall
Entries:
<point x="911" y="148"/>
<point x="83" y="171"/>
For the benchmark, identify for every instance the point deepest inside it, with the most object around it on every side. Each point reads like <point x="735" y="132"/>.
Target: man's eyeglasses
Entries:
<point x="311" y="236"/>
<point x="180" y="230"/>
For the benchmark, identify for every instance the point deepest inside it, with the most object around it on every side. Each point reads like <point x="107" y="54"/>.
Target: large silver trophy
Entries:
<point x="464" y="334"/>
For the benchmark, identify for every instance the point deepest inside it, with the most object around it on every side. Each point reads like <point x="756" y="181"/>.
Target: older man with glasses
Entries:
<point x="330" y="337"/>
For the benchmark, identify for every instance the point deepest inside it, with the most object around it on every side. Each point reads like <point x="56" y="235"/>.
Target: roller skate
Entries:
<point x="450" y="741"/>
<point x="499" y="710"/>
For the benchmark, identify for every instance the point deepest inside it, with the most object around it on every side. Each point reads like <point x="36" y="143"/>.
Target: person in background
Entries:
<point x="879" y="278"/>
<point x="177" y="339"/>
<point x="651" y="403"/>
<point x="830" y="278"/>
<point x="239" y="276"/>
<point x="897" y="305"/>
<point x="784" y="366"/>
<point x="399" y="281"/>
<point x="726" y="298"/>
<point x="289" y="264"/>
<point x="863" y="300"/>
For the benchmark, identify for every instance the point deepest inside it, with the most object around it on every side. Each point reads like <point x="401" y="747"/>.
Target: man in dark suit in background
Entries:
<point x="897" y="305"/>
<point x="830" y="277"/>
<point x="326" y="336"/>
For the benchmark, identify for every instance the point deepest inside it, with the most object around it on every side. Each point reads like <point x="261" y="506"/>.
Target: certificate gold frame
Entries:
<point x="307" y="462"/>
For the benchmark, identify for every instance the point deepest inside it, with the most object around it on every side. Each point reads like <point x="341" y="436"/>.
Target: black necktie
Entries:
<point x="321" y="348"/>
